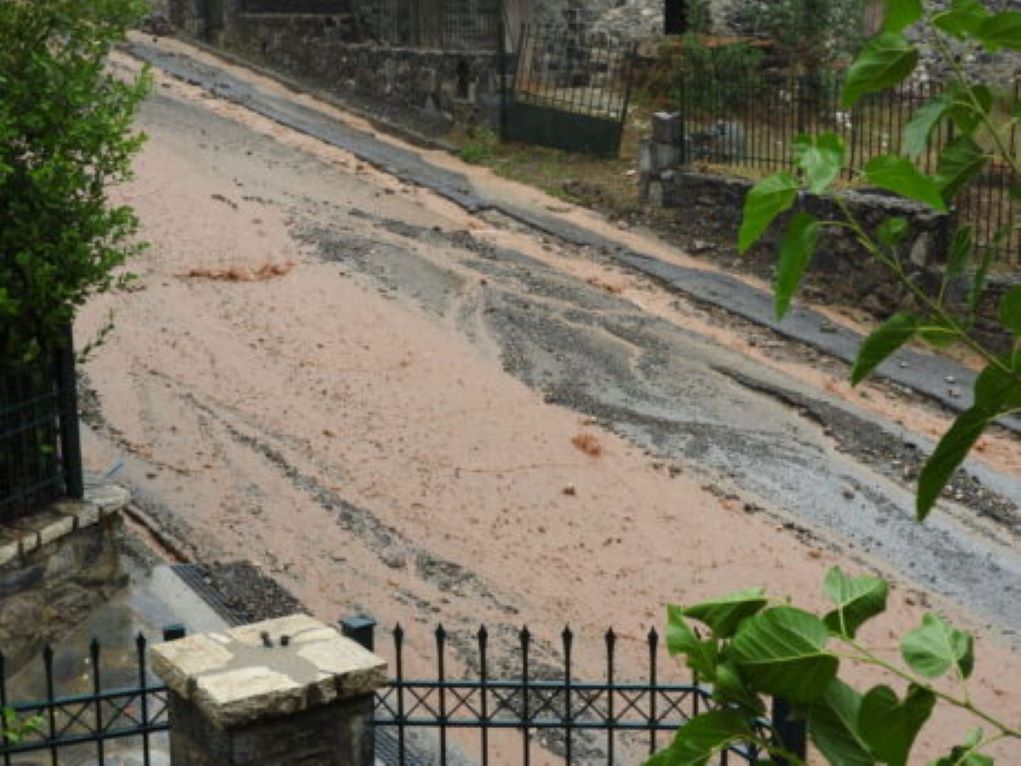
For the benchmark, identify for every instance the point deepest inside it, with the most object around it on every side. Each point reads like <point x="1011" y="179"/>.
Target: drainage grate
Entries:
<point x="195" y="577"/>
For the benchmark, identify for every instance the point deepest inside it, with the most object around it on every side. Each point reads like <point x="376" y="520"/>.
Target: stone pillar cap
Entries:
<point x="234" y="678"/>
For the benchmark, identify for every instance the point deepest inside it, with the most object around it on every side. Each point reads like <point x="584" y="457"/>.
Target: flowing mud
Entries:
<point x="393" y="405"/>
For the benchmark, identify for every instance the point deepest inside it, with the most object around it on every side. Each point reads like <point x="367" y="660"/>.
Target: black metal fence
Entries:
<point x="527" y="705"/>
<point x="326" y="7"/>
<point x="751" y="120"/>
<point x="124" y="711"/>
<point x="571" y="90"/>
<point x="543" y="706"/>
<point x="40" y="456"/>
<point x="442" y="24"/>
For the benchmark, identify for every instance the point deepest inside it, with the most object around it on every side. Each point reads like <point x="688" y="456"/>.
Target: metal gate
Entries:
<point x="571" y="91"/>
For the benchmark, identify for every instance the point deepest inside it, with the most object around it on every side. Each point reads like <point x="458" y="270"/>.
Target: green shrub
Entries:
<point x="65" y="136"/>
<point x="809" y="33"/>
<point x="715" y="78"/>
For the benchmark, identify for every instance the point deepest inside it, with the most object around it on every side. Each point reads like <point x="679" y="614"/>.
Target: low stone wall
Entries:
<point x="718" y="202"/>
<point x="318" y="49"/>
<point x="55" y="566"/>
<point x="841" y="272"/>
<point x="329" y="51"/>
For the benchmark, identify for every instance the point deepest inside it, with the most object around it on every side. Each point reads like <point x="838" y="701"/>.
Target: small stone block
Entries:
<point x="665" y="157"/>
<point x="108" y="497"/>
<point x="645" y="158"/>
<point x="88" y="515"/>
<point x="8" y="553"/>
<point x="56" y="530"/>
<point x="248" y="674"/>
<point x="667" y="128"/>
<point x="29" y="543"/>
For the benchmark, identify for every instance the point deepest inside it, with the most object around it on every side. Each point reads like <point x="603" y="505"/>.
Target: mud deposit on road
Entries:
<point x="429" y="417"/>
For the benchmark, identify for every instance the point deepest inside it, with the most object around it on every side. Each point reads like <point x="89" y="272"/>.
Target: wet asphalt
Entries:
<point x="783" y="448"/>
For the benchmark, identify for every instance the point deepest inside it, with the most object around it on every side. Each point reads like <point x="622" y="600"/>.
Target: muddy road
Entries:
<point x="395" y="404"/>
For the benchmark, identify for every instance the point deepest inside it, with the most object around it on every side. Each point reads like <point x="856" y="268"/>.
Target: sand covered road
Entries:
<point x="395" y="406"/>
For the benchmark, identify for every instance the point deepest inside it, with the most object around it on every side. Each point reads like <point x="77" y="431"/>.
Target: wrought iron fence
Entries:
<point x="325" y="7"/>
<point x="126" y="711"/>
<point x="443" y="24"/>
<point x="40" y="457"/>
<point x="543" y="706"/>
<point x="533" y="708"/>
<point x="751" y="120"/>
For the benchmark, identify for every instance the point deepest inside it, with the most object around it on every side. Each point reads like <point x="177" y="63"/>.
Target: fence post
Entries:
<point x="70" y="438"/>
<point x="283" y="692"/>
<point x="791" y="733"/>
<point x="361" y="629"/>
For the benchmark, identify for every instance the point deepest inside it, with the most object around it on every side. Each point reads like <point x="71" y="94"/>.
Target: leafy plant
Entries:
<point x="14" y="728"/>
<point x="65" y="136"/>
<point x="884" y="62"/>
<point x="481" y="146"/>
<point x="809" y="33"/>
<point x="698" y="17"/>
<point x="757" y="646"/>
<point x="715" y="78"/>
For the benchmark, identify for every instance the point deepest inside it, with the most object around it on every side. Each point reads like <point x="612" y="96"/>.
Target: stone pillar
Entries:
<point x="659" y="157"/>
<point x="277" y="693"/>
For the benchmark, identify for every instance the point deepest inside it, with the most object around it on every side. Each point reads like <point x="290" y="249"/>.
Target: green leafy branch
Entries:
<point x="884" y="62"/>
<point x="757" y="646"/>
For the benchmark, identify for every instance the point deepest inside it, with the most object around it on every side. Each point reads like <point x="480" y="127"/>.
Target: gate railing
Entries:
<point x="40" y="454"/>
<point x="570" y="90"/>
<point x="750" y="119"/>
<point x="120" y="710"/>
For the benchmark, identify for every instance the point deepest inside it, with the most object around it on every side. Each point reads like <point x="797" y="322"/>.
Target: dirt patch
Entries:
<point x="242" y="273"/>
<point x="589" y="444"/>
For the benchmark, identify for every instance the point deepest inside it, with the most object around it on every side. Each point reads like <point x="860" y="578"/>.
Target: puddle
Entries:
<point x="154" y="600"/>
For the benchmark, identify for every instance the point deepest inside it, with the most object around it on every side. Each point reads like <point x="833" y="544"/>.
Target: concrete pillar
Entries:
<point x="277" y="693"/>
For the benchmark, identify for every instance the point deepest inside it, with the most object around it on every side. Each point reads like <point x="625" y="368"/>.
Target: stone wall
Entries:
<point x="55" y="566"/>
<point x="319" y="49"/>
<point x="710" y="209"/>
<point x="329" y="52"/>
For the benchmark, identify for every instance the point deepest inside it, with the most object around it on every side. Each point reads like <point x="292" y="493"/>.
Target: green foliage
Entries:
<point x="715" y="78"/>
<point x="698" y="17"/>
<point x="796" y="251"/>
<point x="887" y="338"/>
<point x="890" y="725"/>
<point x="858" y="599"/>
<point x="884" y="62"/>
<point x="14" y="728"/>
<point x="765" y="201"/>
<point x="810" y="33"/>
<point x="758" y="648"/>
<point x="935" y="647"/>
<point x="899" y="175"/>
<point x="65" y="136"/>
<point x="781" y="650"/>
<point x="481" y="147"/>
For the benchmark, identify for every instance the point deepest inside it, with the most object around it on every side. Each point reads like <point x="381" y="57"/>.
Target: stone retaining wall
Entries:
<point x="55" y="566"/>
<point x="710" y="206"/>
<point x="318" y="49"/>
